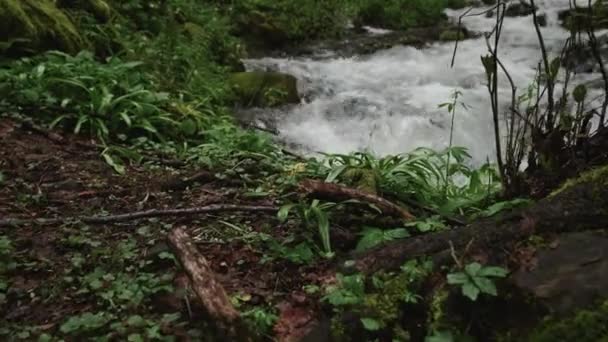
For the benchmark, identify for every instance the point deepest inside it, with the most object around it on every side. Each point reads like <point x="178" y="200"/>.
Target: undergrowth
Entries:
<point x="155" y="84"/>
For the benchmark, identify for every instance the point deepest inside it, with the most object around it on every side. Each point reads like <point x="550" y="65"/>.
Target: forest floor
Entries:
<point x="63" y="270"/>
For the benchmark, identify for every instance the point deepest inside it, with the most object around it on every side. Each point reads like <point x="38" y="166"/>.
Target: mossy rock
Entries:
<point x="452" y="35"/>
<point x="37" y="25"/>
<point x="100" y="9"/>
<point x="598" y="176"/>
<point x="588" y="325"/>
<point x="264" y="89"/>
<point x="362" y="179"/>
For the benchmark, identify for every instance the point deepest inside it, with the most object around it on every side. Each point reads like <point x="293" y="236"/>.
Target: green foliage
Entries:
<point x="110" y="99"/>
<point x="585" y="325"/>
<point x="286" y="20"/>
<point x="7" y="264"/>
<point x="314" y="215"/>
<point x="260" y="319"/>
<point x="476" y="279"/>
<point x="440" y="180"/>
<point x="377" y="301"/>
<point x="350" y="290"/>
<point x="372" y="237"/>
<point x="400" y="14"/>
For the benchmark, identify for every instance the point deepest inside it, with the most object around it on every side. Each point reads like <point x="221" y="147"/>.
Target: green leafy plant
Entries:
<point x="372" y="237"/>
<point x="315" y="215"/>
<point x="7" y="264"/>
<point x="476" y="279"/>
<point x="350" y="290"/>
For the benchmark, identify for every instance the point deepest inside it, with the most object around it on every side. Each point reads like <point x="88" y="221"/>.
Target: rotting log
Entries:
<point x="336" y="192"/>
<point x="208" y="289"/>
<point x="581" y="206"/>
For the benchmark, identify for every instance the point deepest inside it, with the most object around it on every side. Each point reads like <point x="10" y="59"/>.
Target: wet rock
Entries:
<point x="571" y="275"/>
<point x="453" y="34"/>
<point x="580" y="19"/>
<point x="264" y="88"/>
<point x="519" y="9"/>
<point x="580" y="58"/>
<point x="542" y="20"/>
<point x="355" y="43"/>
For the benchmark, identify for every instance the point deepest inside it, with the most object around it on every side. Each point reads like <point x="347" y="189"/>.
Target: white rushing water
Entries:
<point x="387" y="103"/>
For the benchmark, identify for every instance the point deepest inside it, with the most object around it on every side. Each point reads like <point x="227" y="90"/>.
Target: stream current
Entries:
<point x="388" y="102"/>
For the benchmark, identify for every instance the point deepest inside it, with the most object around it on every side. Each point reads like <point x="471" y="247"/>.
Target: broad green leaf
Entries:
<point x="493" y="271"/>
<point x="284" y="212"/>
<point x="371" y="238"/>
<point x="471" y="291"/>
<point x="472" y="269"/>
<point x="397" y="233"/>
<point x="371" y="324"/>
<point x="457" y="278"/>
<point x="485" y="285"/>
<point x="323" y="222"/>
<point x="337" y="171"/>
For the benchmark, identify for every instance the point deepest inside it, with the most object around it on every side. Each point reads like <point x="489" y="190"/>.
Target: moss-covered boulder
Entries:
<point x="519" y="9"/>
<point x="452" y="34"/>
<point x="264" y="89"/>
<point x="30" y="26"/>
<point x="100" y="9"/>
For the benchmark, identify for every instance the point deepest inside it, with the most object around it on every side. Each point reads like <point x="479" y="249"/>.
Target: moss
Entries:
<point x="41" y="24"/>
<point x="598" y="175"/>
<point x="265" y="89"/>
<point x="586" y="325"/>
<point x="362" y="179"/>
<point x="451" y="35"/>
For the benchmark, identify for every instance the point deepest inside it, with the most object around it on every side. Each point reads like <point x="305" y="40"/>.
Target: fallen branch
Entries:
<point x="137" y="215"/>
<point x="578" y="208"/>
<point x="336" y="192"/>
<point x="206" y="286"/>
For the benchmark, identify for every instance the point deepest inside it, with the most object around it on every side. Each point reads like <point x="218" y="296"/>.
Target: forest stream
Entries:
<point x="388" y="102"/>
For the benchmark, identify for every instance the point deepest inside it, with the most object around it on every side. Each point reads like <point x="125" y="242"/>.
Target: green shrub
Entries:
<point x="110" y="99"/>
<point x="400" y="14"/>
<point x="286" y="20"/>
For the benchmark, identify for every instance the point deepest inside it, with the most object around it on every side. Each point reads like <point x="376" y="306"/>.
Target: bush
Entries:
<point x="110" y="99"/>
<point x="400" y="14"/>
<point x="287" y="20"/>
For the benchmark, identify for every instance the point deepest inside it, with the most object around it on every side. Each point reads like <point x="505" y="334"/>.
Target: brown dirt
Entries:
<point x="44" y="178"/>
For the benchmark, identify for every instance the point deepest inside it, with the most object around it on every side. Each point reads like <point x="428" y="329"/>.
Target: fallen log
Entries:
<point x="336" y="192"/>
<point x="580" y="206"/>
<point x="137" y="215"/>
<point x="207" y="288"/>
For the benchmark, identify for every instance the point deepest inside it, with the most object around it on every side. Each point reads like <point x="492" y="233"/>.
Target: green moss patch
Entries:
<point x="38" y="25"/>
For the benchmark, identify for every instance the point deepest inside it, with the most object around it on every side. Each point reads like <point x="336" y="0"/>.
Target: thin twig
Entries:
<point x="137" y="215"/>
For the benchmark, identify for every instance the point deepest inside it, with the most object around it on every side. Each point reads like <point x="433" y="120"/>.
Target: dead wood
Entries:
<point x="336" y="192"/>
<point x="137" y="215"/>
<point x="580" y="207"/>
<point x="206" y="286"/>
